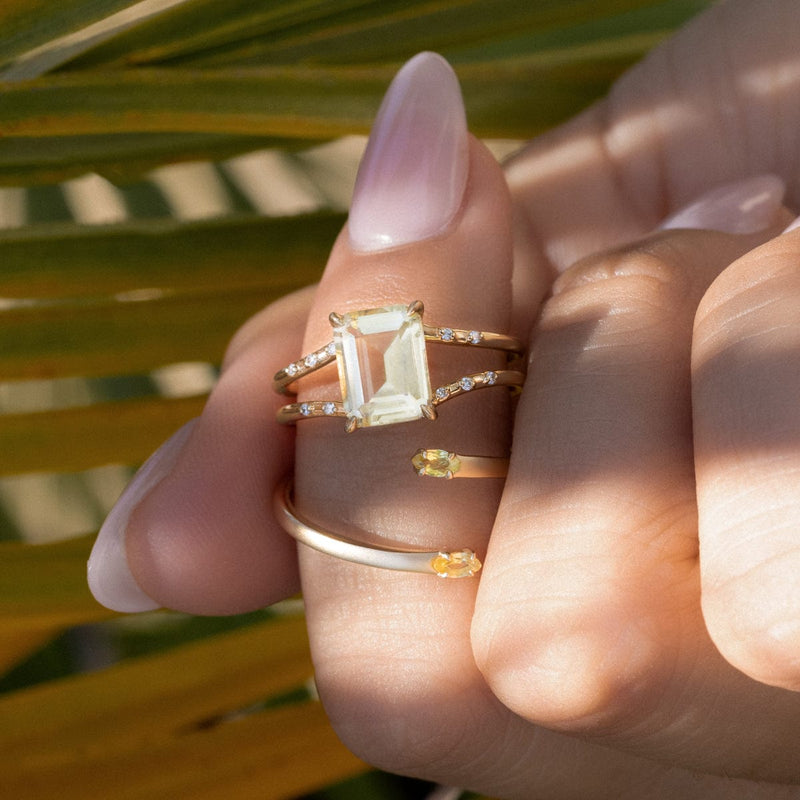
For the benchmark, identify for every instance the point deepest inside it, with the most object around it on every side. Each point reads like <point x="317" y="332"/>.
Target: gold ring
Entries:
<point x="461" y="563"/>
<point x="435" y="463"/>
<point x="383" y="368"/>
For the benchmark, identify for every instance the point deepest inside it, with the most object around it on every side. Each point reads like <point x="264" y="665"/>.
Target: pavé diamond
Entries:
<point x="305" y="409"/>
<point x="383" y="369"/>
<point x="328" y="408"/>
<point x="467" y="384"/>
<point x="330" y="349"/>
<point x="490" y="378"/>
<point x="441" y="393"/>
<point x="291" y="370"/>
<point x="446" y="334"/>
<point x="311" y="360"/>
<point x="474" y="337"/>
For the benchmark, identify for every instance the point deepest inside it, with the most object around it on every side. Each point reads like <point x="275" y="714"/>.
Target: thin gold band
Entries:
<point x="314" y="409"/>
<point x="434" y="463"/>
<point x="448" y="336"/>
<point x="446" y="564"/>
<point x="382" y="360"/>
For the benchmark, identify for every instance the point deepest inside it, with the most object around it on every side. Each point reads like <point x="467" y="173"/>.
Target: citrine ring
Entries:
<point x="435" y="463"/>
<point x="383" y="368"/>
<point x="461" y="563"/>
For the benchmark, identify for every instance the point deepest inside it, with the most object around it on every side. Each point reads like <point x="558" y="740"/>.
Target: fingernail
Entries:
<point x="110" y="579"/>
<point x="745" y="206"/>
<point x="794" y="226"/>
<point x="411" y="180"/>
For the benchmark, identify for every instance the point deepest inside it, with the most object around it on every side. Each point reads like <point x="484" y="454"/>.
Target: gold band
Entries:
<point x="314" y="409"/>
<point x="435" y="463"/>
<point x="446" y="564"/>
<point x="381" y="356"/>
<point x="450" y="336"/>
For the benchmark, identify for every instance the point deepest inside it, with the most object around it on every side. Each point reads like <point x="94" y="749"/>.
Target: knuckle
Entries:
<point x="650" y="263"/>
<point x="639" y="287"/>
<point x="752" y="620"/>
<point x="576" y="674"/>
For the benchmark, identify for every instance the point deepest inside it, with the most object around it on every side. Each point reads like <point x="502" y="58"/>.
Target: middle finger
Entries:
<point x="589" y="617"/>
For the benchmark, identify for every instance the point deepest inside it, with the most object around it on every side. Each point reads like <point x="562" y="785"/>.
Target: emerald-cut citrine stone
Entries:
<point x="434" y="463"/>
<point x="383" y="368"/>
<point x="458" y="564"/>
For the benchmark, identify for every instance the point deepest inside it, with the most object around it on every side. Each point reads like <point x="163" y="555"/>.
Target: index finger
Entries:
<point x="388" y="646"/>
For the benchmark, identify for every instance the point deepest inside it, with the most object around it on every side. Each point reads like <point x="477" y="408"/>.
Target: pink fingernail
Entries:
<point x="745" y="206"/>
<point x="411" y="180"/>
<point x="109" y="576"/>
<point x="794" y="226"/>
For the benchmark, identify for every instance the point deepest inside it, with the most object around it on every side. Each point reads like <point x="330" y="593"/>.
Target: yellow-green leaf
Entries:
<point x="120" y="157"/>
<point x="43" y="587"/>
<point x="70" y="260"/>
<point x="167" y="726"/>
<point x="16" y="645"/>
<point x="509" y="98"/>
<point x="74" y="439"/>
<point x="106" y="338"/>
<point x="28" y="24"/>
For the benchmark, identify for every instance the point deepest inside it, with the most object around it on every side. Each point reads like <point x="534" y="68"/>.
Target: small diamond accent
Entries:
<point x="446" y="334"/>
<point x="328" y="408"/>
<point x="467" y="384"/>
<point x="311" y="360"/>
<point x="489" y="378"/>
<point x="473" y="337"/>
<point x="291" y="370"/>
<point x="305" y="409"/>
<point x="441" y="393"/>
<point x="330" y="349"/>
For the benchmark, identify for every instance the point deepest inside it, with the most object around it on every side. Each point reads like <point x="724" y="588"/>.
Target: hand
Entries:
<point x="586" y="623"/>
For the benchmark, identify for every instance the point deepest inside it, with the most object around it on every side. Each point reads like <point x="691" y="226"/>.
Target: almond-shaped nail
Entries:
<point x="793" y="226"/>
<point x="412" y="177"/>
<point x="109" y="576"/>
<point x="745" y="206"/>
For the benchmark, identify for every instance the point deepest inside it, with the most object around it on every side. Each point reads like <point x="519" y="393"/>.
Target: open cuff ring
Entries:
<point x="383" y="368"/>
<point x="461" y="563"/>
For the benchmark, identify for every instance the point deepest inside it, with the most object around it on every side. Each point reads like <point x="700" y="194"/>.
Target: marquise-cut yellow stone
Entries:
<point x="434" y="463"/>
<point x="458" y="564"/>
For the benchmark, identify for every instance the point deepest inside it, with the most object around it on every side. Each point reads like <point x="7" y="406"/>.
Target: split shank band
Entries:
<point x="383" y="370"/>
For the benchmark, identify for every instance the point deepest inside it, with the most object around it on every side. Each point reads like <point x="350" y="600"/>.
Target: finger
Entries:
<point x="202" y="537"/>
<point x="714" y="103"/>
<point x="390" y="648"/>
<point x="746" y="385"/>
<point x="588" y="615"/>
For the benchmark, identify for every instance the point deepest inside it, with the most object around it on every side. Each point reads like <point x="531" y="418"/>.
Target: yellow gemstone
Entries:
<point x="458" y="564"/>
<point x="434" y="463"/>
<point x="383" y="368"/>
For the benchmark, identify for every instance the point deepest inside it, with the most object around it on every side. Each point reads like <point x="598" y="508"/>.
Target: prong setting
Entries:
<point x="429" y="412"/>
<point x="416" y="307"/>
<point x="381" y="355"/>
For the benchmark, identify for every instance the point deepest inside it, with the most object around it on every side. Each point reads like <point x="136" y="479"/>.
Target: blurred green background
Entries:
<point x="167" y="168"/>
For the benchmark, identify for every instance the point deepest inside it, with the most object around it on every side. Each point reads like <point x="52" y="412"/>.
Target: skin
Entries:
<point x="634" y="633"/>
